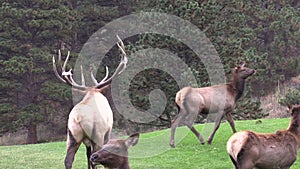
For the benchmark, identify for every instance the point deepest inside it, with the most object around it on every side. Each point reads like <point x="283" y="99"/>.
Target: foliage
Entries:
<point x="28" y="33"/>
<point x="292" y="97"/>
<point x="247" y="108"/>
<point x="31" y="31"/>
<point x="239" y="30"/>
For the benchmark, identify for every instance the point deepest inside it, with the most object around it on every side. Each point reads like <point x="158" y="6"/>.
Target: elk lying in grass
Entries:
<point x="249" y="150"/>
<point x="219" y="99"/>
<point x="114" y="154"/>
<point x="91" y="120"/>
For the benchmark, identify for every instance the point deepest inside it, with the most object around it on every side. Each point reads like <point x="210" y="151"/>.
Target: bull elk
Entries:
<point x="248" y="150"/>
<point x="219" y="99"/>
<point x="114" y="154"/>
<point x="91" y="120"/>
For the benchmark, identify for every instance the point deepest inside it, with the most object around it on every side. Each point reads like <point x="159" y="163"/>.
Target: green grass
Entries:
<point x="151" y="152"/>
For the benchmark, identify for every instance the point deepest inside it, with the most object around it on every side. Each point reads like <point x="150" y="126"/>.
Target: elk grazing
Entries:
<point x="219" y="99"/>
<point x="114" y="154"/>
<point x="249" y="150"/>
<point x="91" y="120"/>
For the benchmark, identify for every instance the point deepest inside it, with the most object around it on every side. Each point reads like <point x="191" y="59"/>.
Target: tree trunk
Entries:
<point x="32" y="134"/>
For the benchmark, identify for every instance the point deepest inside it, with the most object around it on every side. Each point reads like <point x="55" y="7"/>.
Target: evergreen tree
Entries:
<point x="265" y="34"/>
<point x="29" y="32"/>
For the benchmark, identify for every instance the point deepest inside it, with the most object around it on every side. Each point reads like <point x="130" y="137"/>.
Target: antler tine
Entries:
<point x="92" y="75"/>
<point x="106" y="75"/>
<point x="121" y="46"/>
<point x="67" y="76"/>
<point x="72" y="81"/>
<point x="95" y="80"/>
<point x="59" y="59"/>
<point x="82" y="77"/>
<point x="66" y="61"/>
<point x="55" y="70"/>
<point x="123" y="57"/>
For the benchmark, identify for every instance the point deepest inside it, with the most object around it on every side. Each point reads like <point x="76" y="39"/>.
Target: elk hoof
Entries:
<point x="201" y="141"/>
<point x="172" y="145"/>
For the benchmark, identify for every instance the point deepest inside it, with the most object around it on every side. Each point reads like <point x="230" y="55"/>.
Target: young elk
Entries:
<point x="114" y="154"/>
<point x="249" y="150"/>
<point x="219" y="99"/>
<point x="91" y="120"/>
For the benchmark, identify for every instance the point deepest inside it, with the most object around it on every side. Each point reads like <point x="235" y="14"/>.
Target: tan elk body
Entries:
<point x="91" y="120"/>
<point x="218" y="99"/>
<point x="249" y="150"/>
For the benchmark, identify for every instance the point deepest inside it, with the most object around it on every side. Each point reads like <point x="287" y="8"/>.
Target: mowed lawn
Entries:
<point x="152" y="151"/>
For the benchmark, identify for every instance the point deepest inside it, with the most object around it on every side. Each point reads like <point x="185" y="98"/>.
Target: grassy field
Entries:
<point x="151" y="152"/>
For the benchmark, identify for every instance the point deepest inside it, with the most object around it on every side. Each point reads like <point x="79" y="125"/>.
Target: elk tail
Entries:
<point x="235" y="145"/>
<point x="178" y="101"/>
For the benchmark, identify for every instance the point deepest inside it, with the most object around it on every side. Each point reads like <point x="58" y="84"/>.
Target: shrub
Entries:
<point x="292" y="97"/>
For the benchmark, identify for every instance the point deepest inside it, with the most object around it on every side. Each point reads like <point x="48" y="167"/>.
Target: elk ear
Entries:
<point x="290" y="108"/>
<point x="132" y="140"/>
<point x="243" y="64"/>
<point x="296" y="108"/>
<point x="237" y="68"/>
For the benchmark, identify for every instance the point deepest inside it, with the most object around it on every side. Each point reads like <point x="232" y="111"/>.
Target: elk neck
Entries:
<point x="125" y="165"/>
<point x="294" y="127"/>
<point x="89" y="94"/>
<point x="238" y="85"/>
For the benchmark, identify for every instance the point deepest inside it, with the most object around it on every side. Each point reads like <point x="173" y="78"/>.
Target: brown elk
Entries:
<point x="219" y="99"/>
<point x="249" y="150"/>
<point x="91" y="120"/>
<point x="114" y="154"/>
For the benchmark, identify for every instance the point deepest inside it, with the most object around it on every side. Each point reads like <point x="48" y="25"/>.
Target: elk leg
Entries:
<point x="107" y="136"/>
<point x="217" y="125"/>
<point x="234" y="162"/>
<point x="88" y="155"/>
<point x="72" y="147"/>
<point x="95" y="148"/>
<point x="198" y="135"/>
<point x="175" y="124"/>
<point x="231" y="122"/>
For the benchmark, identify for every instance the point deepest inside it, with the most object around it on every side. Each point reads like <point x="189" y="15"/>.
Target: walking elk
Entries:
<point x="219" y="99"/>
<point x="249" y="150"/>
<point x="91" y="120"/>
<point x="114" y="154"/>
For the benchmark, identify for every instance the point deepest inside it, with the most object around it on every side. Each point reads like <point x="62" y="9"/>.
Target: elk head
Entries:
<point x="242" y="72"/>
<point x="114" y="154"/>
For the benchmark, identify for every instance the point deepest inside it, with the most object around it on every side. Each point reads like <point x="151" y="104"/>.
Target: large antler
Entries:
<point x="121" y="67"/>
<point x="67" y="76"/>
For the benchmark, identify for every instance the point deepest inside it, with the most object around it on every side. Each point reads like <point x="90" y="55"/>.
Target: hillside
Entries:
<point x="152" y="151"/>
